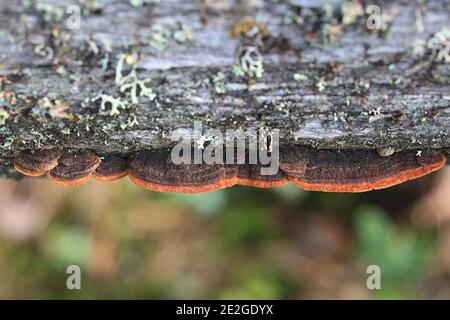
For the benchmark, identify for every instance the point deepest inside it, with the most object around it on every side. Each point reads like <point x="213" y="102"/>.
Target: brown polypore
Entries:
<point x="294" y="160"/>
<point x="154" y="170"/>
<point x="111" y="168"/>
<point x="74" y="168"/>
<point x="250" y="175"/>
<point x="360" y="171"/>
<point x="37" y="163"/>
<point x="316" y="170"/>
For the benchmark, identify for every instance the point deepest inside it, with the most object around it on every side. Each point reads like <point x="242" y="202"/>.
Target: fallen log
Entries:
<point x="131" y="75"/>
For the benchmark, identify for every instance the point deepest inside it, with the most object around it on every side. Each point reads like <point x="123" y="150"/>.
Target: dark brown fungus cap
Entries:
<point x="293" y="160"/>
<point x="74" y="168"/>
<point x="111" y="168"/>
<point x="154" y="170"/>
<point x="250" y="175"/>
<point x="360" y="171"/>
<point x="37" y="163"/>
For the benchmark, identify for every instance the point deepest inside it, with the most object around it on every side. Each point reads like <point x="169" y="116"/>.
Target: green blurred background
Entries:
<point x="237" y="243"/>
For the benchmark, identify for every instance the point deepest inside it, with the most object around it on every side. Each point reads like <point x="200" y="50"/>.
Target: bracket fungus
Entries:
<point x="111" y="168"/>
<point x="37" y="163"/>
<point x="250" y="175"/>
<point x="293" y="160"/>
<point x="155" y="171"/>
<point x="74" y="169"/>
<point x="315" y="170"/>
<point x="364" y="170"/>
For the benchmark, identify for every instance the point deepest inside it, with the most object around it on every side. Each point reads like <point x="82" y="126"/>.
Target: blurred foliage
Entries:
<point x="401" y="254"/>
<point x="237" y="243"/>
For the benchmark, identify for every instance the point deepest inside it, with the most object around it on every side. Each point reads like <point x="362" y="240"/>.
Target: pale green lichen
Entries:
<point x="436" y="49"/>
<point x="139" y="3"/>
<point x="44" y="51"/>
<point x="351" y="11"/>
<point x="187" y="95"/>
<point x="159" y="37"/>
<point x="8" y="143"/>
<point x="439" y="45"/>
<point x="50" y="13"/>
<point x="132" y="84"/>
<point x="237" y="71"/>
<point x="131" y="122"/>
<point x="119" y="69"/>
<point x="115" y="104"/>
<point x="136" y="87"/>
<point x="85" y="120"/>
<point x="183" y="34"/>
<point x="219" y="83"/>
<point x="300" y="77"/>
<point x="289" y="17"/>
<point x="91" y="6"/>
<point x="419" y="20"/>
<point x="107" y="128"/>
<point x="329" y="21"/>
<point x="321" y="85"/>
<point x="4" y="115"/>
<point x="65" y="131"/>
<point x="419" y="50"/>
<point x="283" y="107"/>
<point x="27" y="3"/>
<point x="249" y="62"/>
